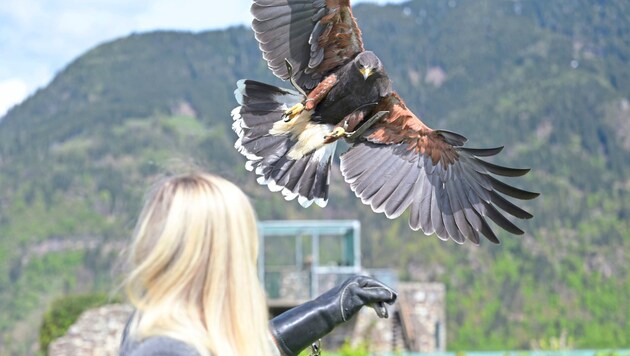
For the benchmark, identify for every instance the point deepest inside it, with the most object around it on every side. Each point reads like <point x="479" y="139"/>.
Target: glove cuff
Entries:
<point x="297" y="328"/>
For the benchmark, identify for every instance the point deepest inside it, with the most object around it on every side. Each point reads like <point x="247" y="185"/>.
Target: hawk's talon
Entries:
<point x="335" y="134"/>
<point x="292" y="112"/>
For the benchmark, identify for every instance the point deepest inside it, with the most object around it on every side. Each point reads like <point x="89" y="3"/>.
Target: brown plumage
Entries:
<point x="396" y="163"/>
<point x="341" y="40"/>
<point x="402" y="126"/>
<point x="316" y="36"/>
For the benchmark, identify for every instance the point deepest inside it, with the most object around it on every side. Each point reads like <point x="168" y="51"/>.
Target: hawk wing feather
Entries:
<point x="316" y="36"/>
<point x="402" y="164"/>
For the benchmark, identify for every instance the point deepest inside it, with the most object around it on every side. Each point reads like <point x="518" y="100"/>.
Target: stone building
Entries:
<point x="302" y="259"/>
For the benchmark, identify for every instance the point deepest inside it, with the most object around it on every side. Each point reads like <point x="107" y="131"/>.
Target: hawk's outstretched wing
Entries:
<point x="450" y="191"/>
<point x="316" y="36"/>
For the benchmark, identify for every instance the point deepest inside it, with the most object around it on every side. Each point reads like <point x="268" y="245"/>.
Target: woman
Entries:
<point x="194" y="283"/>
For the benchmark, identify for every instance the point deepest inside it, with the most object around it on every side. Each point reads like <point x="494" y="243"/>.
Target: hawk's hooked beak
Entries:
<point x="366" y="72"/>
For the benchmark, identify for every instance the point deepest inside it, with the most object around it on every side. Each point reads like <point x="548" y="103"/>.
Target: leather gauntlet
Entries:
<point x="297" y="328"/>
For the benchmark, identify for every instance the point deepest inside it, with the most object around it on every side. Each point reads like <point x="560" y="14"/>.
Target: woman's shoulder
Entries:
<point x="157" y="346"/>
<point x="154" y="345"/>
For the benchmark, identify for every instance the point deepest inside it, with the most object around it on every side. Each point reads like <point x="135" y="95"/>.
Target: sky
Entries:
<point x="38" y="38"/>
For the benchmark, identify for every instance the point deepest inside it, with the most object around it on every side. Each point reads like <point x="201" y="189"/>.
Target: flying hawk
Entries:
<point x="341" y="91"/>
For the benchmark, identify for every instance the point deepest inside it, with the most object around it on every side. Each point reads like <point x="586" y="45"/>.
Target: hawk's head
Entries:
<point x="368" y="64"/>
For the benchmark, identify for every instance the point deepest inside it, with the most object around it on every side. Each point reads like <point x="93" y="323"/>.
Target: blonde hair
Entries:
<point x="193" y="268"/>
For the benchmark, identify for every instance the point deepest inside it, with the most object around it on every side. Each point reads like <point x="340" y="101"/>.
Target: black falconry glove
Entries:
<point x="297" y="328"/>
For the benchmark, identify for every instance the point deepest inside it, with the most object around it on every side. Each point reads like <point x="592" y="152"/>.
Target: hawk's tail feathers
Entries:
<point x="273" y="148"/>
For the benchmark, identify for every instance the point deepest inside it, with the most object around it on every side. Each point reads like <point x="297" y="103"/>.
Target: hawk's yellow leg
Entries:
<point x="293" y="111"/>
<point x="335" y="134"/>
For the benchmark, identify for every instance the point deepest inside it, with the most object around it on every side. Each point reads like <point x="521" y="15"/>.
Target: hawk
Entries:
<point x="395" y="163"/>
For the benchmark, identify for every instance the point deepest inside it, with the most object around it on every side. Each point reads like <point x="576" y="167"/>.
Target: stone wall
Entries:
<point x="422" y="311"/>
<point x="97" y="332"/>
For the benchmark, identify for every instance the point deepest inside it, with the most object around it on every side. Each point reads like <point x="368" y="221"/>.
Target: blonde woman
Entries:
<point x="194" y="284"/>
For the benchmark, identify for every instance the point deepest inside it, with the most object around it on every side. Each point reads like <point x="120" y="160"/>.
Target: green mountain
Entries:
<point x="549" y="80"/>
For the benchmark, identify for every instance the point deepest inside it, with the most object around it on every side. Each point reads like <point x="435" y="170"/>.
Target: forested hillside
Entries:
<point x="550" y="80"/>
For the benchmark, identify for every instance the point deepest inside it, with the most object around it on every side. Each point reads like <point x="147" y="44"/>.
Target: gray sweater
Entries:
<point x="158" y="346"/>
<point x="154" y="346"/>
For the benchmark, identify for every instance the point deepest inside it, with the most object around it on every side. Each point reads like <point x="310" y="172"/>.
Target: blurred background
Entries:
<point x="97" y="99"/>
